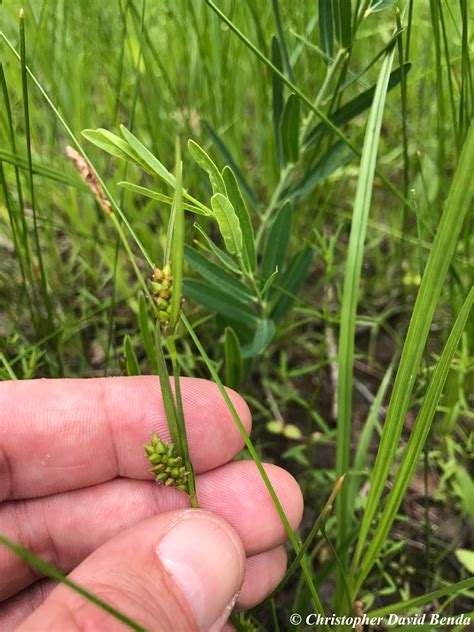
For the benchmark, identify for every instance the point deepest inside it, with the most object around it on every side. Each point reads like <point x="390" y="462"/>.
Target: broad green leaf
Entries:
<point x="229" y="224"/>
<point x="146" y="333"/>
<point x="326" y="28"/>
<point x="291" y="283"/>
<point x="232" y="359"/>
<point x="219" y="253"/>
<point x="216" y="276"/>
<point x="203" y="159"/>
<point x="353" y="108"/>
<point x="336" y="157"/>
<point x="160" y="197"/>
<point x="416" y="442"/>
<point x="147" y="157"/>
<point x="218" y="301"/>
<point x="277" y="241"/>
<point x="277" y="98"/>
<point x="131" y="361"/>
<point x="290" y="129"/>
<point x="350" y="295"/>
<point x="248" y="238"/>
<point x="466" y="558"/>
<point x="264" y="332"/>
<point x="456" y="207"/>
<point x="225" y="153"/>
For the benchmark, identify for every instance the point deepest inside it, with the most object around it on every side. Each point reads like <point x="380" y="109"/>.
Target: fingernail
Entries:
<point x="206" y="560"/>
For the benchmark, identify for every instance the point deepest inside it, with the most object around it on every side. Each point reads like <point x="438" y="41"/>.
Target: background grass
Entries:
<point x="351" y="238"/>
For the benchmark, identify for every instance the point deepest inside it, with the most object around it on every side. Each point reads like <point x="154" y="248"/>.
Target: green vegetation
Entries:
<point x="320" y="194"/>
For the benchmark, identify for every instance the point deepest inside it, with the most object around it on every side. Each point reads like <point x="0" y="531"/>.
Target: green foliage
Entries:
<point x="332" y="237"/>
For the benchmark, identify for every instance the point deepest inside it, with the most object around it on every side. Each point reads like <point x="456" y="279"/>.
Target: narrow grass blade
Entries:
<point x="409" y="604"/>
<point x="74" y="140"/>
<point x="146" y="333"/>
<point x="320" y="520"/>
<point x="354" y="107"/>
<point x="39" y="253"/>
<point x="176" y="235"/>
<point x="253" y="453"/>
<point x="343" y="22"/>
<point x="352" y="276"/>
<point x="415" y="445"/>
<point x="41" y="170"/>
<point x="50" y="571"/>
<point x="289" y="129"/>
<point x="131" y="362"/>
<point x="233" y="364"/>
<point x="360" y="457"/>
<point x="456" y="207"/>
<point x="277" y="97"/>
<point x="326" y="27"/>
<point x="281" y="39"/>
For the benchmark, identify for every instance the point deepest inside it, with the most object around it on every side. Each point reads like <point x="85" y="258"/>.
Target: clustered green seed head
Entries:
<point x="162" y="288"/>
<point x="167" y="465"/>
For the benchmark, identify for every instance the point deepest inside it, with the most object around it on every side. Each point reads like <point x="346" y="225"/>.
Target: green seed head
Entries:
<point x="167" y="463"/>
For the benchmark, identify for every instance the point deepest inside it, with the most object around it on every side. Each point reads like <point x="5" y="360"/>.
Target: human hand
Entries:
<point x="75" y="489"/>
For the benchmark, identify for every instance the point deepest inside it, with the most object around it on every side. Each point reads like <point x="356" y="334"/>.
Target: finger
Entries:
<point x="59" y="435"/>
<point x="14" y="611"/>
<point x="263" y="572"/>
<point x="64" y="529"/>
<point x="177" y="571"/>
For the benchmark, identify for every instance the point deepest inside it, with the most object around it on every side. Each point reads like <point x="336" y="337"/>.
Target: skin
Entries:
<point x="74" y="485"/>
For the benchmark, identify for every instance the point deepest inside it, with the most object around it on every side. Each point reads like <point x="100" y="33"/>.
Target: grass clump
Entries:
<point x="318" y="227"/>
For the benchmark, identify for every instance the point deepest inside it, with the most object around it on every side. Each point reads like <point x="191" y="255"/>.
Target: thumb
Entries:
<point x="181" y="570"/>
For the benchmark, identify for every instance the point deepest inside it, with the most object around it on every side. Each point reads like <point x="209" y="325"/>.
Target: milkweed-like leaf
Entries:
<point x="217" y="276"/>
<point x="229" y="224"/>
<point x="147" y="157"/>
<point x="277" y="241"/>
<point x="237" y="201"/>
<point x="203" y="159"/>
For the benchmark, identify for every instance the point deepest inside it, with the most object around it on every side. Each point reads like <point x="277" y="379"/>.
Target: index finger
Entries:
<point x="57" y="435"/>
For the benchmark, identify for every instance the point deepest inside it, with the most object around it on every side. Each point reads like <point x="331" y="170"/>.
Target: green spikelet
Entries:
<point x="162" y="289"/>
<point x="167" y="465"/>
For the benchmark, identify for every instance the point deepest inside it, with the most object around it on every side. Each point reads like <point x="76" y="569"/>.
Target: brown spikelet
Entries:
<point x="89" y="177"/>
<point x="359" y="612"/>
